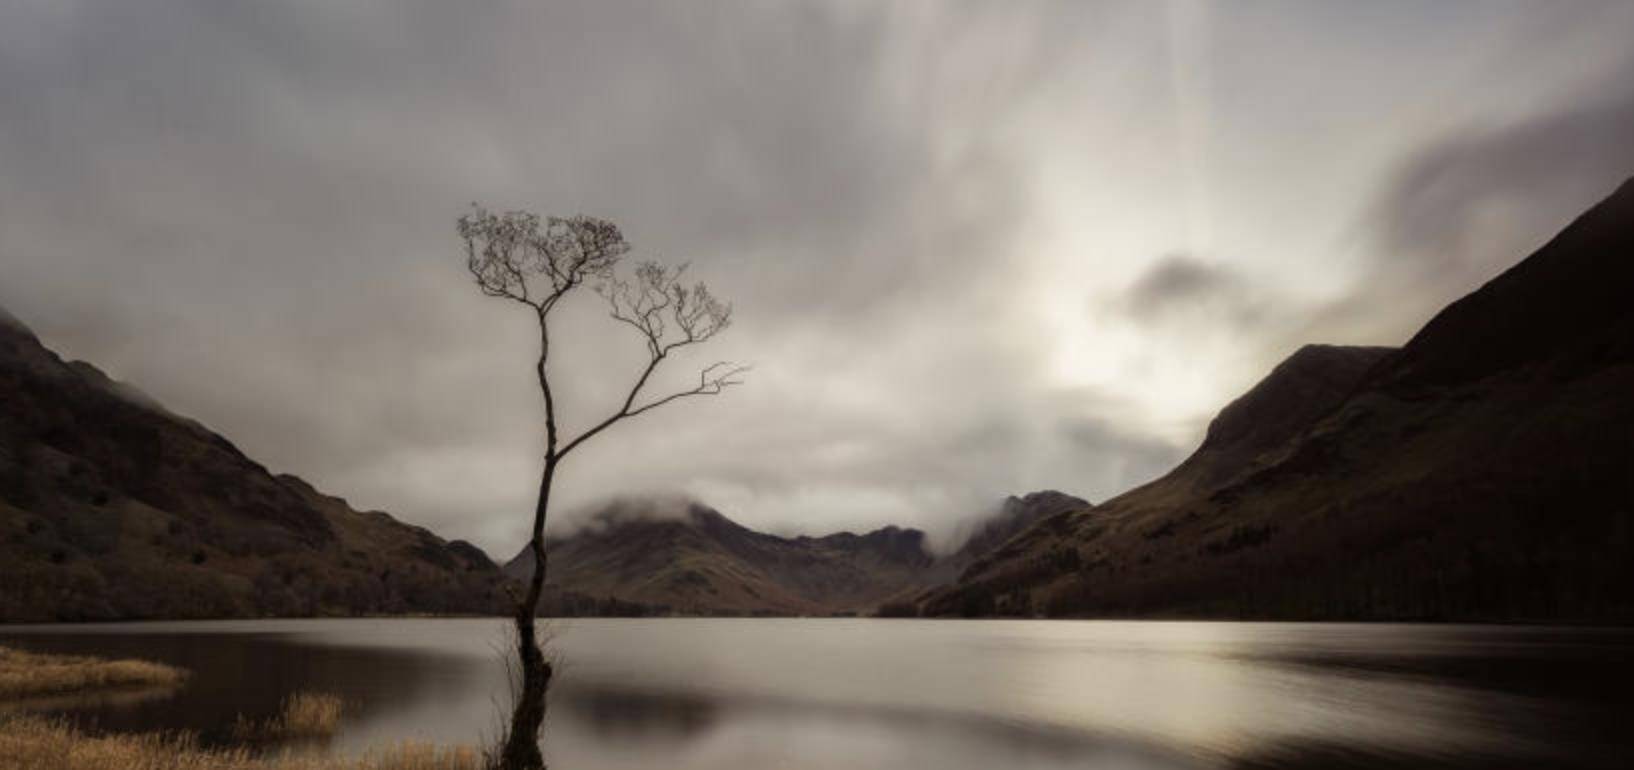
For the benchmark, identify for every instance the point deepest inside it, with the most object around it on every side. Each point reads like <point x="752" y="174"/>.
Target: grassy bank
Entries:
<point x="39" y="744"/>
<point x="30" y="675"/>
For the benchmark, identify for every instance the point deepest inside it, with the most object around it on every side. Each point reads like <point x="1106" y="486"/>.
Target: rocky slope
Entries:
<point x="1483" y="471"/>
<point x="112" y="507"/>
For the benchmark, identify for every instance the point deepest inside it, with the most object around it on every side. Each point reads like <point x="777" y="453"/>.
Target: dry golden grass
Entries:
<point x="310" y="713"/>
<point x="37" y="744"/>
<point x="303" y="715"/>
<point x="27" y="674"/>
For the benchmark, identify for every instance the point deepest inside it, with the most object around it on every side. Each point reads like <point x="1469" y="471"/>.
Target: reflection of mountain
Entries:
<point x="633" y="560"/>
<point x="614" y="714"/>
<point x="1485" y="470"/>
<point x="113" y="507"/>
<point x="670" y="728"/>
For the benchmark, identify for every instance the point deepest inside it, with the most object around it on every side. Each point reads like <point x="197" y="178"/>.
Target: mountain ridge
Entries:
<point x="702" y="563"/>
<point x="113" y="507"/>
<point x="1479" y="472"/>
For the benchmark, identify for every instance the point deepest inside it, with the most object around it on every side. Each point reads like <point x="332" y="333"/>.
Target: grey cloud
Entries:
<point x="1177" y="278"/>
<point x="1138" y="458"/>
<point x="1468" y="205"/>
<point x="246" y="209"/>
<point x="1540" y="171"/>
<point x="1181" y="286"/>
<point x="1460" y="208"/>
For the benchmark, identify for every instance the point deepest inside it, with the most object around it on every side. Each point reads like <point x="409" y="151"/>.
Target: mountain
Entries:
<point x="1483" y="471"/>
<point x="1015" y="515"/>
<point x="638" y="557"/>
<point x="112" y="507"/>
<point x="633" y="558"/>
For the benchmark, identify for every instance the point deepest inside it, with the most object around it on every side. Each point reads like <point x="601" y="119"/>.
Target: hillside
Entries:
<point x="632" y="560"/>
<point x="1015" y="515"/>
<point x="112" y="507"/>
<point x="1484" y="471"/>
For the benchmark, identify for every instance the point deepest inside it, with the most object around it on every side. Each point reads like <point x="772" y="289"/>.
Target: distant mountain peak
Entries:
<point x="693" y="559"/>
<point x="1015" y="515"/>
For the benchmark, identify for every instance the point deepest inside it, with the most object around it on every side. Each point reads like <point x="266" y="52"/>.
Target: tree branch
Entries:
<point x="714" y="379"/>
<point x="507" y="254"/>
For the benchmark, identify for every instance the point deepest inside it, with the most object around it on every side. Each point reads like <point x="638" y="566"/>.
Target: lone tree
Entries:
<point x="536" y="262"/>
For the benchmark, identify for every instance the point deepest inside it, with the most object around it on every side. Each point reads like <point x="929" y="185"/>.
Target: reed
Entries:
<point x="309" y="714"/>
<point x="302" y="715"/>
<point x="41" y="744"/>
<point x="27" y="674"/>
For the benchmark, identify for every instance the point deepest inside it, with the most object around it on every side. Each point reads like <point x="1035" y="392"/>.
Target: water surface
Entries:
<point x="830" y="693"/>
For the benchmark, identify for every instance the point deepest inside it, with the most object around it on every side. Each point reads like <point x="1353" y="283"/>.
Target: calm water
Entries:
<point x="750" y="694"/>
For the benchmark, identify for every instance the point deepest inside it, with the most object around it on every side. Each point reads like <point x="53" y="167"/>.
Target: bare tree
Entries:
<point x="519" y="257"/>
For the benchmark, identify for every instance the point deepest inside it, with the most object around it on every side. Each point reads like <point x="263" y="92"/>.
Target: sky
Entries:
<point x="973" y="249"/>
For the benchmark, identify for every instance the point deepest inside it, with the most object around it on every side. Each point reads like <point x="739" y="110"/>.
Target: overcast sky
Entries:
<point x="975" y="249"/>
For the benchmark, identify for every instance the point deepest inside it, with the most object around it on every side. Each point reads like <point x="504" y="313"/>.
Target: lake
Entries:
<point x="741" y="694"/>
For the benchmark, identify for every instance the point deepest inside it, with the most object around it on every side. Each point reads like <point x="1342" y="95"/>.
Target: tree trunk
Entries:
<point x="521" y="751"/>
<point x="522" y="740"/>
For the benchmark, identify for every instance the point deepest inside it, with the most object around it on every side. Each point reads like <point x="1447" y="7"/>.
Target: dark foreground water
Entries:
<point x="753" y="694"/>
